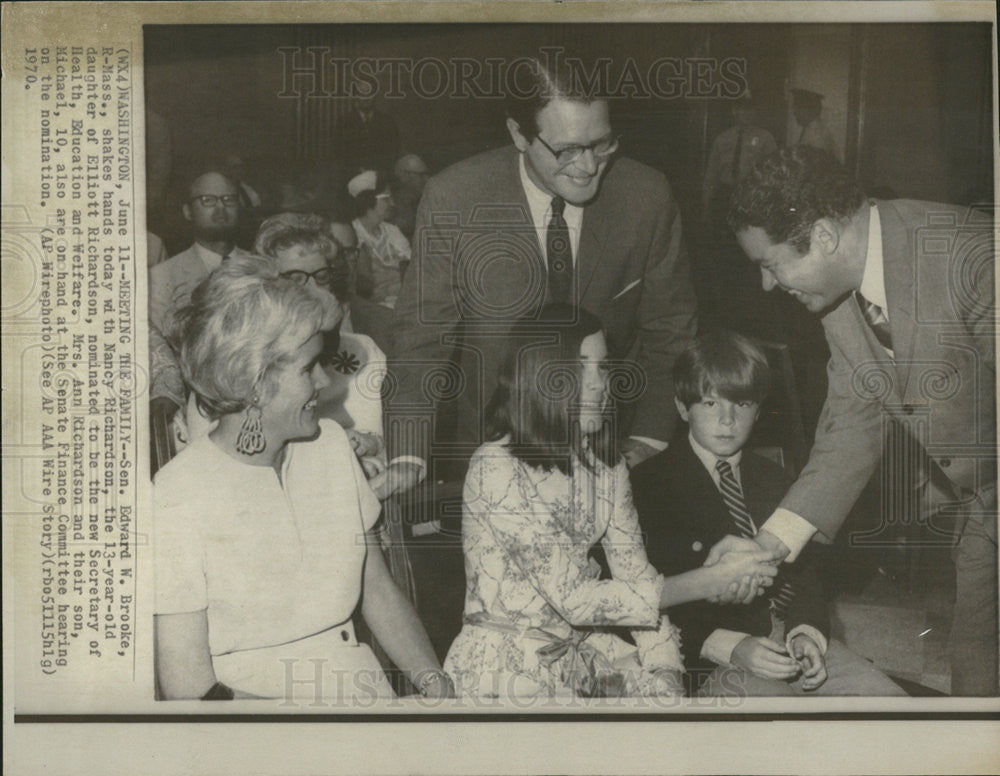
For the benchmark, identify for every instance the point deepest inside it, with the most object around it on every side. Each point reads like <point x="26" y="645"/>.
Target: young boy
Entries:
<point x="705" y="486"/>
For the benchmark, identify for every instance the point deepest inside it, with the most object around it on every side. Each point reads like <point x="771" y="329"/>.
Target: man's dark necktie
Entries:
<point x="732" y="495"/>
<point x="558" y="254"/>
<point x="876" y="319"/>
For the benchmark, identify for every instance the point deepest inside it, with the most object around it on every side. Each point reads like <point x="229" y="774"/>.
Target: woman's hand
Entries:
<point x="368" y="448"/>
<point x="734" y="566"/>
<point x="398" y="478"/>
<point x="364" y="445"/>
<point x="434" y="684"/>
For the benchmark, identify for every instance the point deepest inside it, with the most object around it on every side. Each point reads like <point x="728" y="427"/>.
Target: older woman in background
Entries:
<point x="302" y="249"/>
<point x="258" y="561"/>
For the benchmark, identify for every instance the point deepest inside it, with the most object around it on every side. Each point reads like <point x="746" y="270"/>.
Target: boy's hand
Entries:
<point x="764" y="658"/>
<point x="810" y="659"/>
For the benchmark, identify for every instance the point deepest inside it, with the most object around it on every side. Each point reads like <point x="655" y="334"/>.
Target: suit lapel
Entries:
<point x="599" y="218"/>
<point x="710" y="512"/>
<point x="755" y="489"/>
<point x="591" y="248"/>
<point x="898" y="258"/>
<point x="502" y="208"/>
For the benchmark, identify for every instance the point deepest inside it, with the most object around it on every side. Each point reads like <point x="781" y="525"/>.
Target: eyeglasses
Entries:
<point x="601" y="150"/>
<point x="301" y="277"/>
<point x="211" y="200"/>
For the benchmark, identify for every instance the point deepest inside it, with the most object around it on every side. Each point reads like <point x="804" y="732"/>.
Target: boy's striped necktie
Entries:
<point x="732" y="495"/>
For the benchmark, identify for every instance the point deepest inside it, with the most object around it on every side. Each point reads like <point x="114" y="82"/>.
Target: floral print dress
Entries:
<point x="537" y="614"/>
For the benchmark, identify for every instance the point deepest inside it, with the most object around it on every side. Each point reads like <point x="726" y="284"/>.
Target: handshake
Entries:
<point x="749" y="564"/>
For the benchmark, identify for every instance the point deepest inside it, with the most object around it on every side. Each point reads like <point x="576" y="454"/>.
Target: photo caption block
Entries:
<point x="71" y="377"/>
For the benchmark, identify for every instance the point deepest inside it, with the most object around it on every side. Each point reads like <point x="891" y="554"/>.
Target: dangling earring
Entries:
<point x="251" y="438"/>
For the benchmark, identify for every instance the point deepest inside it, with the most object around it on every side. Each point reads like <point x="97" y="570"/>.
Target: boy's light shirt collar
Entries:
<point x="540" y="205"/>
<point x="709" y="459"/>
<point x="873" y="279"/>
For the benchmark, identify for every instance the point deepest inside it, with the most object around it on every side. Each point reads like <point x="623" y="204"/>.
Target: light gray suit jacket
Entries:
<point x="938" y="270"/>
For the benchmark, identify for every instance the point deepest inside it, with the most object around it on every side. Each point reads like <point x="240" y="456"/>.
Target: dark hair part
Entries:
<point x="538" y="82"/>
<point x="365" y="200"/>
<point x="789" y="191"/>
<point x="724" y="363"/>
<point x="538" y="386"/>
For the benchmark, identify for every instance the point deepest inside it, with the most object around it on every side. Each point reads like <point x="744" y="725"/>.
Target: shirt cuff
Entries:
<point x="794" y="531"/>
<point x="719" y="645"/>
<point x="809" y="631"/>
<point x="412" y="459"/>
<point x="656" y="444"/>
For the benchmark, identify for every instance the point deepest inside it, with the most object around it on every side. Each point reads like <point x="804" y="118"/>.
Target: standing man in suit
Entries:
<point x="554" y="216"/>
<point x="212" y="208"/>
<point x="366" y="138"/>
<point x="906" y="292"/>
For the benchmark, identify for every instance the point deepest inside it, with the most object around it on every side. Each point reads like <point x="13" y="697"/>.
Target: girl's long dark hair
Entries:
<point x="538" y="387"/>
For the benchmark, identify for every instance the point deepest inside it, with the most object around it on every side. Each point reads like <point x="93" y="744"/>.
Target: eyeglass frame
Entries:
<point x="295" y="274"/>
<point x="614" y="140"/>
<point x="216" y="199"/>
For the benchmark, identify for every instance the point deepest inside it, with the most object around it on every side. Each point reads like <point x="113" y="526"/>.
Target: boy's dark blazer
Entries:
<point x="682" y="515"/>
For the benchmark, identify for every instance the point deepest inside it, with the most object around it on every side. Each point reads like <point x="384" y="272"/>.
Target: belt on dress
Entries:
<point x="582" y="667"/>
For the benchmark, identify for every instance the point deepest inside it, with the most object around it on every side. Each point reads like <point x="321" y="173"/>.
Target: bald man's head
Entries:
<point x="411" y="172"/>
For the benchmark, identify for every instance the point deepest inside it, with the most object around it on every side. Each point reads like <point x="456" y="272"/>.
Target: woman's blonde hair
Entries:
<point x="285" y="230"/>
<point x="243" y="322"/>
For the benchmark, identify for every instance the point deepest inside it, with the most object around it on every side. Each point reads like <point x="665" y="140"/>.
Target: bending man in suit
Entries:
<point x="707" y="485"/>
<point x="551" y="217"/>
<point x="905" y="289"/>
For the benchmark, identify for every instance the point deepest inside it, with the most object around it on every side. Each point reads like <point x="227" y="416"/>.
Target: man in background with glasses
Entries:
<point x="212" y="208"/>
<point x="555" y="216"/>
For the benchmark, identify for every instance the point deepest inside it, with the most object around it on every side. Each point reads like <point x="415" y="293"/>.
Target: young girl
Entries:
<point x="546" y="488"/>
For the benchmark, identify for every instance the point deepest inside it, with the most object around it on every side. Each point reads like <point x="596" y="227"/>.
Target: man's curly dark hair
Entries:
<point x="789" y="190"/>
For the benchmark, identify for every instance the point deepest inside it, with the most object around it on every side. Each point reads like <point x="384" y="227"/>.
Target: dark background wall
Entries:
<point x="910" y="103"/>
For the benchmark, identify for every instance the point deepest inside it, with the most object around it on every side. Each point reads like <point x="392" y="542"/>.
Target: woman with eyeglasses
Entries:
<point x="263" y="543"/>
<point x="385" y="251"/>
<point x="303" y="250"/>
